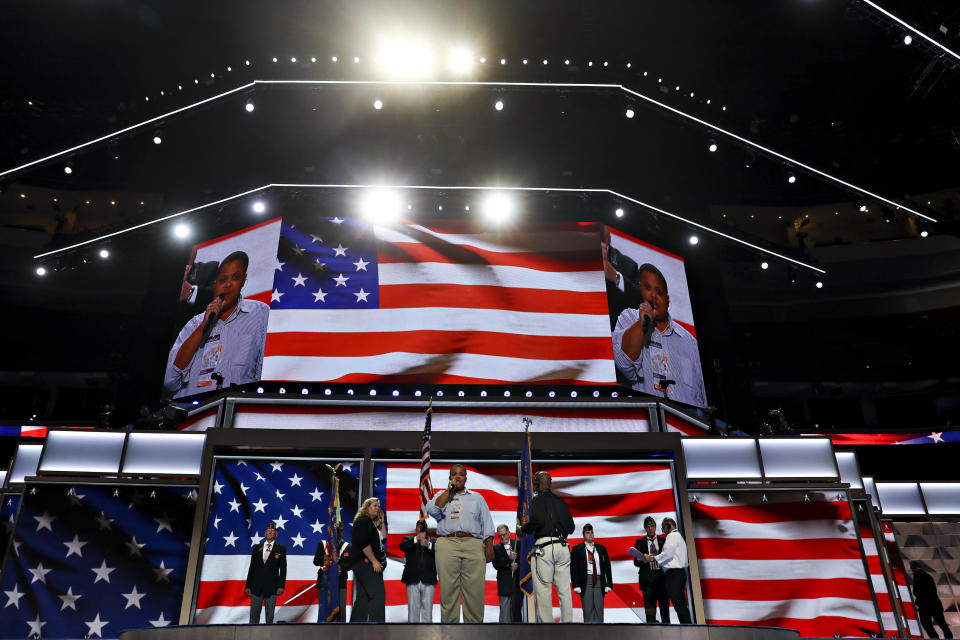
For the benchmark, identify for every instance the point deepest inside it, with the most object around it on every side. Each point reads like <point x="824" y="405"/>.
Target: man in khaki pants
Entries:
<point x="551" y="523"/>
<point x="463" y="549"/>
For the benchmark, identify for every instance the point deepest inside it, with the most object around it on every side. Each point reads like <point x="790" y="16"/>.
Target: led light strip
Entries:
<point x="283" y="185"/>
<point x="911" y="29"/>
<point x="620" y="87"/>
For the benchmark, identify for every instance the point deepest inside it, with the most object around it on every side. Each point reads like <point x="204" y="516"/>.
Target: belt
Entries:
<point x="549" y="541"/>
<point x="459" y="534"/>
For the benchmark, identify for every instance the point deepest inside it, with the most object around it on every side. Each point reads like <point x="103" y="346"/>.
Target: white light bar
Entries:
<point x="912" y="30"/>
<point x="282" y="185"/>
<point x="563" y="85"/>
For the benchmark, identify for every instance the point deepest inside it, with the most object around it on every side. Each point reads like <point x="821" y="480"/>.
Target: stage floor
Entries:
<point x="370" y="631"/>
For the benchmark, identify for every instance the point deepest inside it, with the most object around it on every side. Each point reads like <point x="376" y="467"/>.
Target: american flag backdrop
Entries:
<point x="900" y="579"/>
<point x="783" y="559"/>
<point x="444" y="303"/>
<point x="887" y="602"/>
<point x="93" y="560"/>
<point x="9" y="502"/>
<point x="613" y="496"/>
<point x="249" y="493"/>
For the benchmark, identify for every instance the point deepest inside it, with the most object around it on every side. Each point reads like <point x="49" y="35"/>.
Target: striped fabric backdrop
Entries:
<point x="447" y="303"/>
<point x="784" y="559"/>
<point x="886" y="601"/>
<point x="613" y="496"/>
<point x="900" y="579"/>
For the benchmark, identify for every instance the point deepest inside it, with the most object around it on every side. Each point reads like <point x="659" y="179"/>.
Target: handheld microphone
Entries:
<point x="647" y="320"/>
<point x="212" y="320"/>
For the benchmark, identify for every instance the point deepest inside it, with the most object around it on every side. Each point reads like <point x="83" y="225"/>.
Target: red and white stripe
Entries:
<point x="687" y="427"/>
<point x="462" y="306"/>
<point x="426" y="485"/>
<point x="783" y="562"/>
<point x="885" y="600"/>
<point x="614" y="497"/>
<point x="583" y="420"/>
<point x="904" y="596"/>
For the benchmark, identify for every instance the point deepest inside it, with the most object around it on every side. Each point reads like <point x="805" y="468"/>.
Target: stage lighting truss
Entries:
<point x="499" y="191"/>
<point x="796" y="164"/>
<point x="593" y="86"/>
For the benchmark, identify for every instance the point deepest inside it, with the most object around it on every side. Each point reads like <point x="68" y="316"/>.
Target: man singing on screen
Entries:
<point x="654" y="353"/>
<point x="224" y="344"/>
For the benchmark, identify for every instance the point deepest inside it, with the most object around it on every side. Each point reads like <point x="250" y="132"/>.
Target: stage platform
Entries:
<point x="369" y="631"/>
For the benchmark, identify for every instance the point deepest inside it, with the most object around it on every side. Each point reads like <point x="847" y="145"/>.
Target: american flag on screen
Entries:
<point x="93" y="560"/>
<point x="248" y="494"/>
<point x="782" y="559"/>
<point x="438" y="303"/>
<point x="900" y="579"/>
<point x="885" y="600"/>
<point x="8" y="518"/>
<point x="614" y="497"/>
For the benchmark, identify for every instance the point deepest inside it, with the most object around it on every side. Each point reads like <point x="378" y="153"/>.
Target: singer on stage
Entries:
<point x="463" y="549"/>
<point x="652" y="351"/>
<point x="224" y="344"/>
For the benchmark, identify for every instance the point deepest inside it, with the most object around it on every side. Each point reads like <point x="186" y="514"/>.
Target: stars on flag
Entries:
<point x="103" y="572"/>
<point x="69" y="599"/>
<point x="259" y="505"/>
<point x="39" y="573"/>
<point x="936" y="436"/>
<point x="13" y="598"/>
<point x="295" y="480"/>
<point x="341" y="280"/>
<point x="163" y="573"/>
<point x="45" y="521"/>
<point x="75" y="546"/>
<point x="134" y="547"/>
<point x="133" y="598"/>
<point x="165" y="522"/>
<point x="316" y="494"/>
<point x="299" y="280"/>
<point x="230" y="540"/>
<point x="96" y="626"/>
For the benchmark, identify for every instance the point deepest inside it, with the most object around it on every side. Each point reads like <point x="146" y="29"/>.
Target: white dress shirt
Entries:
<point x="674" y="552"/>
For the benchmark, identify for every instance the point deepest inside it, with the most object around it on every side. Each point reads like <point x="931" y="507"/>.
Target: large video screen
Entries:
<point x="330" y="299"/>
<point x="614" y="497"/>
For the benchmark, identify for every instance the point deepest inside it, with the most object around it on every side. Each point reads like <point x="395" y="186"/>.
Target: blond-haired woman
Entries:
<point x="369" y="533"/>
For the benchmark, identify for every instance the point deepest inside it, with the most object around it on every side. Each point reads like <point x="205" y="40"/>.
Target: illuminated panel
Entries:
<point x="900" y="498"/>
<point x="798" y="458"/>
<point x="164" y="453"/>
<point x="849" y="470"/>
<point x="941" y="498"/>
<point x="82" y="452"/>
<point x="721" y="459"/>
<point x="25" y="462"/>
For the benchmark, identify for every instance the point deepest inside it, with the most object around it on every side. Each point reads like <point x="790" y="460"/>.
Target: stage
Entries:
<point x="459" y="632"/>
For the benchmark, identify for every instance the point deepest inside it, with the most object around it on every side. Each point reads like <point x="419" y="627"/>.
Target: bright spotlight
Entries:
<point x="819" y="285"/>
<point x="791" y="178"/>
<point x="694" y="240"/>
<point x="104" y="254"/>
<point x="406" y="58"/>
<point x="497" y="207"/>
<point x="712" y="148"/>
<point x="68" y="169"/>
<point x="157" y="139"/>
<point x="378" y="104"/>
<point x="630" y="113"/>
<point x="908" y="39"/>
<point x="764" y="265"/>
<point x="258" y="206"/>
<point x="41" y="271"/>
<point x="503" y="61"/>
<point x="249" y="107"/>
<point x="924" y="233"/>
<point x="181" y="230"/>
<point x="461" y="61"/>
<point x="380" y="206"/>
<point x="498" y="105"/>
<point x="619" y="213"/>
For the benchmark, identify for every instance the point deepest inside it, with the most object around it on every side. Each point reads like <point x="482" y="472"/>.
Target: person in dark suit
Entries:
<point x="319" y="560"/>
<point x="419" y="574"/>
<point x="650" y="575"/>
<point x="929" y="606"/>
<point x="505" y="562"/>
<point x="266" y="576"/>
<point x="591" y="575"/>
